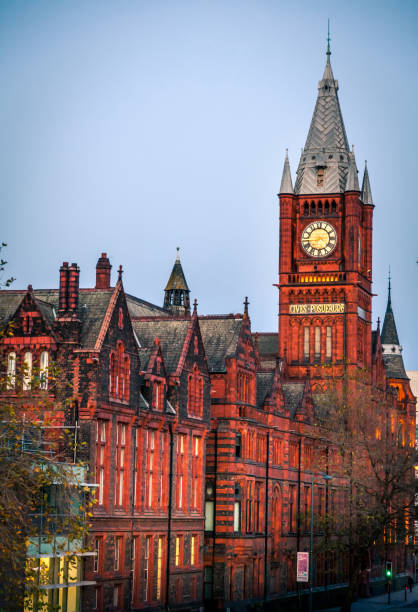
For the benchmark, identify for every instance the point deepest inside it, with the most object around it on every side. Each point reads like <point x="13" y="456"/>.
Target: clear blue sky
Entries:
<point x="134" y="127"/>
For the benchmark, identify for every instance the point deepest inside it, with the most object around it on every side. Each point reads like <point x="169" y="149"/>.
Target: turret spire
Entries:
<point x="176" y="298"/>
<point x="352" y="177"/>
<point x="366" y="192"/>
<point x="392" y="350"/>
<point x="286" y="185"/>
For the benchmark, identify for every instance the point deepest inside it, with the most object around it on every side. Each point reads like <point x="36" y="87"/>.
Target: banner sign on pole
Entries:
<point x="302" y="568"/>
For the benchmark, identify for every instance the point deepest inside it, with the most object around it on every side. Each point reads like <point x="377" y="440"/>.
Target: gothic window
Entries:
<point x="119" y="373"/>
<point x="27" y="371"/>
<point x="120" y="462"/>
<point x="276" y="522"/>
<point x="181" y="471"/>
<point x="209" y="506"/>
<point x="306" y="342"/>
<point x="317" y="343"/>
<point x="326" y="208"/>
<point x="320" y="209"/>
<point x="43" y="370"/>
<point x="292" y="508"/>
<point x="238" y="444"/>
<point x="196" y="472"/>
<point x="101" y="427"/>
<point x="195" y="394"/>
<point x="306" y="209"/>
<point x="313" y="209"/>
<point x="11" y="371"/>
<point x="158" y="395"/>
<point x="293" y="454"/>
<point x="328" y="343"/>
<point x="333" y="207"/>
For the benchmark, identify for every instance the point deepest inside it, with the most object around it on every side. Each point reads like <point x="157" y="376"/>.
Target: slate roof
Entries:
<point x="220" y="338"/>
<point x="93" y="304"/>
<point x="177" y="279"/>
<point x="141" y="308"/>
<point x="172" y="334"/>
<point x="394" y="366"/>
<point x="144" y="356"/>
<point x="327" y="144"/>
<point x="267" y="343"/>
<point x="293" y="394"/>
<point x="264" y="386"/>
<point x="389" y="332"/>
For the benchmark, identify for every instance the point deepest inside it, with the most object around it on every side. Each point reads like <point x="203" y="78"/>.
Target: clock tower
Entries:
<point x="325" y="262"/>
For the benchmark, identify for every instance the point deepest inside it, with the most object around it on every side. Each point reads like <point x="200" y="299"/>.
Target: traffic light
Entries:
<point x="389" y="569"/>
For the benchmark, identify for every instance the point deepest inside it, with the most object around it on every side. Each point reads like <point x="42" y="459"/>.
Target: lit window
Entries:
<point x="100" y="457"/>
<point x="306" y="342"/>
<point x="11" y="371"/>
<point x="328" y="348"/>
<point x="194" y="551"/>
<point x="27" y="371"/>
<point x="159" y="566"/>
<point x="146" y="567"/>
<point x="317" y="342"/>
<point x="43" y="370"/>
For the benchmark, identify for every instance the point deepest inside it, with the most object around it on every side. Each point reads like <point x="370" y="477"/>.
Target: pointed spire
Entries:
<point x="286" y="185"/>
<point x="392" y="350"/>
<point x="323" y="165"/>
<point x="389" y="332"/>
<point x="352" y="177"/>
<point x="176" y="297"/>
<point x="366" y="192"/>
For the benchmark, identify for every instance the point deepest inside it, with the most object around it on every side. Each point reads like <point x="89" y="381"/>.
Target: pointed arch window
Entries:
<point x="317" y="343"/>
<point x="328" y="343"/>
<point x="306" y="347"/>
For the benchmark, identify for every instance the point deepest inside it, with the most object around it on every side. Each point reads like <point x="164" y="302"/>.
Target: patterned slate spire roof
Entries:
<point x="286" y="186"/>
<point x="323" y="165"/>
<point x="366" y="192"/>
<point x="177" y="279"/>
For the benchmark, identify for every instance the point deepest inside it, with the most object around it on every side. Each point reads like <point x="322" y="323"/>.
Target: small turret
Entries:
<point x="286" y="185"/>
<point x="366" y="192"/>
<point x="352" y="177"/>
<point x="392" y="350"/>
<point x="176" y="298"/>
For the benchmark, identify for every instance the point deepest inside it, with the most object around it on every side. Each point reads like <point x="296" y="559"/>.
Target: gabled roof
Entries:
<point x="264" y="386"/>
<point x="293" y="395"/>
<point x="394" y="365"/>
<point x="144" y="356"/>
<point x="220" y="338"/>
<point x="327" y="144"/>
<point x="172" y="334"/>
<point x="93" y="304"/>
<point x="266" y="343"/>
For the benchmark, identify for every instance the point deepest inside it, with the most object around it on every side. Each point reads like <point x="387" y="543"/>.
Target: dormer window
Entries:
<point x="320" y="177"/>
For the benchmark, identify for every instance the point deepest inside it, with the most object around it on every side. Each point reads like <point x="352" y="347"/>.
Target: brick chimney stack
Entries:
<point x="63" y="295"/>
<point x="103" y="269"/>
<point x="68" y="293"/>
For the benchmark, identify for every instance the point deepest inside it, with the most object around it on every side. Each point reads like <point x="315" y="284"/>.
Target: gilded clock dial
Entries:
<point x="319" y="239"/>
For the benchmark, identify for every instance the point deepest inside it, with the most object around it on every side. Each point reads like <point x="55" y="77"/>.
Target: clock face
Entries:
<point x="319" y="239"/>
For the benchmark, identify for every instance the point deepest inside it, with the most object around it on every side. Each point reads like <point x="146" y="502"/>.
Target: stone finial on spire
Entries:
<point x="352" y="178"/>
<point x="366" y="192"/>
<point x="328" y="44"/>
<point x="286" y="185"/>
<point x="178" y="254"/>
<point x="195" y="306"/>
<point x="246" y="304"/>
<point x="120" y="272"/>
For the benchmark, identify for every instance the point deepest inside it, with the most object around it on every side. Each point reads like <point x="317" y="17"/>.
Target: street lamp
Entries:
<point x="311" y="573"/>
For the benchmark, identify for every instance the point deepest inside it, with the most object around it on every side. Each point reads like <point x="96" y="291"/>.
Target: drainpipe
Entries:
<point x="170" y="496"/>
<point x="131" y="575"/>
<point x="266" y="521"/>
<point x="214" y="510"/>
